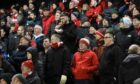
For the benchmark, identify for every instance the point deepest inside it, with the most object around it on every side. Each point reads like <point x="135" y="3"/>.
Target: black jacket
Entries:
<point x="126" y="37"/>
<point x="69" y="36"/>
<point x="129" y="69"/>
<point x="33" y="79"/>
<point x="109" y="61"/>
<point x="57" y="62"/>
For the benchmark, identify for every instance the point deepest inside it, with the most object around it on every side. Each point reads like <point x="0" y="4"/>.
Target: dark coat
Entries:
<point x="126" y="37"/>
<point x="57" y="63"/>
<point x="33" y="79"/>
<point x="69" y="36"/>
<point x="7" y="67"/>
<point x="13" y="41"/>
<point x="129" y="69"/>
<point x="109" y="63"/>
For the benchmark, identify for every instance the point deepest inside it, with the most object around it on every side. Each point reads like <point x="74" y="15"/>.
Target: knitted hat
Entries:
<point x="85" y="41"/>
<point x="127" y="21"/>
<point x="99" y="33"/>
<point x="76" y="14"/>
<point x="28" y="63"/>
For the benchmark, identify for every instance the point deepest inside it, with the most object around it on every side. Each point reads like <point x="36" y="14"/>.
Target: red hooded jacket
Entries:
<point x="84" y="64"/>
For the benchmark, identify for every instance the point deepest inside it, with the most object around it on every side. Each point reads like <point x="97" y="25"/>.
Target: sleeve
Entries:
<point x="95" y="63"/>
<point x="66" y="69"/>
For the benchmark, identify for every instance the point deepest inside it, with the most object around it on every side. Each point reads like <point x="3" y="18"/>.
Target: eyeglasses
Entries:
<point x="106" y="37"/>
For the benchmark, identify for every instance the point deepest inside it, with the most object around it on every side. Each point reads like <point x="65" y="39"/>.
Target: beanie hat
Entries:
<point x="7" y="77"/>
<point x="28" y="63"/>
<point x="127" y="21"/>
<point x="85" y="41"/>
<point x="99" y="33"/>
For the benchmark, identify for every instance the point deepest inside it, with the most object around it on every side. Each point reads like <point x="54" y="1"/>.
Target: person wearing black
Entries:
<point x="129" y="70"/>
<point x="109" y="61"/>
<point x="57" y="62"/>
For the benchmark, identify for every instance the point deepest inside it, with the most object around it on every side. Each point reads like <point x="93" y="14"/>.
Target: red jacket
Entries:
<point x="84" y="64"/>
<point x="46" y="22"/>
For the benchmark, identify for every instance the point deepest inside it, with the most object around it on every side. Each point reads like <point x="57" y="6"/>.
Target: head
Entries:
<point x="2" y="33"/>
<point x="37" y="29"/>
<point x="46" y="43"/>
<point x="5" y="78"/>
<point x="32" y="15"/>
<point x="136" y="21"/>
<point x="64" y="18"/>
<point x="85" y="7"/>
<point x="25" y="7"/>
<point x="99" y="35"/>
<point x="125" y="22"/>
<point x="46" y="12"/>
<point x="134" y="49"/>
<point x="24" y="41"/>
<point x="26" y="67"/>
<point x="108" y="39"/>
<point x="31" y="53"/>
<point x="55" y="38"/>
<point x="57" y="16"/>
<point x="18" y="79"/>
<point x="84" y="44"/>
<point x="20" y="30"/>
<point x="135" y="11"/>
<point x="114" y="15"/>
<point x="71" y="5"/>
<point x="92" y="30"/>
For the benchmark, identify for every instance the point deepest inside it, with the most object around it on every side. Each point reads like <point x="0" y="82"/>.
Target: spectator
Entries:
<point x="109" y="61"/>
<point x="28" y="72"/>
<point x="18" y="79"/>
<point x="5" y="78"/>
<point x="82" y="68"/>
<point x="130" y="66"/>
<point x="57" y="65"/>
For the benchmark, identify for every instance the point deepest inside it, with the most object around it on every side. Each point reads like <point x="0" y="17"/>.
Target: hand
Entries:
<point x="63" y="79"/>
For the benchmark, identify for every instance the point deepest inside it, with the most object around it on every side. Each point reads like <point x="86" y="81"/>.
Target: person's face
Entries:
<point x="24" y="69"/>
<point x="92" y="30"/>
<point x="114" y="16"/>
<point x="107" y="39"/>
<point x="57" y="16"/>
<point x="46" y="13"/>
<point x="31" y="6"/>
<point x="135" y="12"/>
<point x="25" y="7"/>
<point x="32" y="16"/>
<point x="64" y="19"/>
<point x="29" y="55"/>
<point x="71" y="5"/>
<point x="136" y="23"/>
<point x="20" y="31"/>
<point x="105" y="22"/>
<point x="121" y="25"/>
<point x="37" y="31"/>
<point x="46" y="43"/>
<point x="82" y="46"/>
<point x="2" y="33"/>
<point x="85" y="7"/>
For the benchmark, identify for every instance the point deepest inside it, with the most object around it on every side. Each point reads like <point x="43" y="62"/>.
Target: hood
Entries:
<point x="33" y="52"/>
<point x="131" y="57"/>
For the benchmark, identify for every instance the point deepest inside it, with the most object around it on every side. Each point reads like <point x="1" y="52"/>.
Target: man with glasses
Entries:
<point x="109" y="61"/>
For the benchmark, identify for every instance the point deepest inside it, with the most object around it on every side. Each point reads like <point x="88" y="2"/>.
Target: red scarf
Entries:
<point x="56" y="45"/>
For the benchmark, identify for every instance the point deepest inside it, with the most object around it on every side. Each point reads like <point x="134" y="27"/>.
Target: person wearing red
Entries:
<point x="84" y="63"/>
<point x="47" y="20"/>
